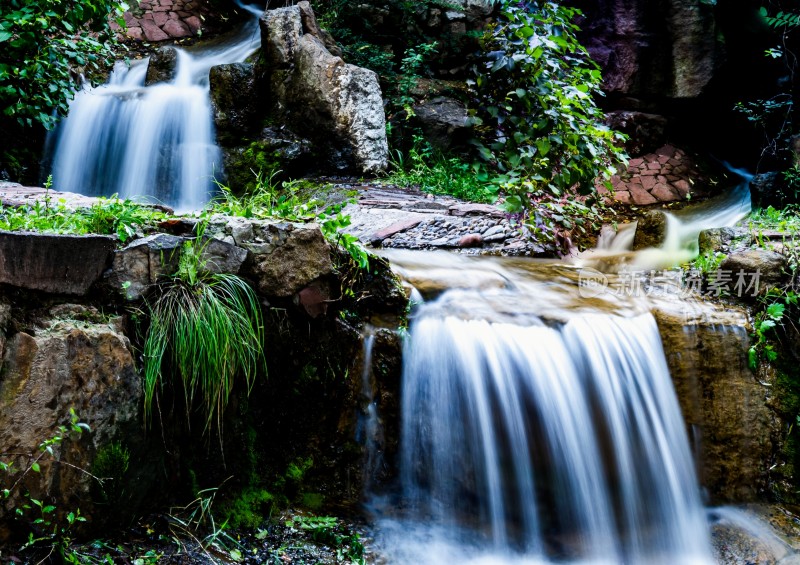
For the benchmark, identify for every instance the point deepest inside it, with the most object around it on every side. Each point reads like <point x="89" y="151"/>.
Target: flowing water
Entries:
<point x="537" y="425"/>
<point x="539" y="422"/>
<point x="155" y="142"/>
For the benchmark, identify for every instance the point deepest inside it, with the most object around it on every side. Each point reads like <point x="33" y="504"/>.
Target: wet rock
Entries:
<point x="443" y="122"/>
<point x="58" y="264"/>
<point x="471" y="240"/>
<point x="162" y="65"/>
<point x="337" y="105"/>
<point x="725" y="407"/>
<point x="234" y="96"/>
<point x="770" y="266"/>
<point x="86" y="366"/>
<point x="651" y="230"/>
<point x="722" y="240"/>
<point x="143" y="262"/>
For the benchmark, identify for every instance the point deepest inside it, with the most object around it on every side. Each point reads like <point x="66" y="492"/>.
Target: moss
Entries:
<point x="242" y="165"/>
<point x="110" y="466"/>
<point x="249" y="509"/>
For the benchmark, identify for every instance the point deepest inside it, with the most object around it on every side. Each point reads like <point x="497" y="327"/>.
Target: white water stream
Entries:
<point x="155" y="143"/>
<point x="540" y="425"/>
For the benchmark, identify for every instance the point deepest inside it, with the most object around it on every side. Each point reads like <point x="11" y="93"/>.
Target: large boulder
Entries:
<point x="86" y="366"/>
<point x="339" y="106"/>
<point x="646" y="132"/>
<point x="443" y="121"/>
<point x="57" y="264"/>
<point x="143" y="263"/>
<point x="234" y="98"/>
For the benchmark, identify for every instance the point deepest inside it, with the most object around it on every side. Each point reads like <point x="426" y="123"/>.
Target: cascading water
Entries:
<point x="157" y="141"/>
<point x="683" y="228"/>
<point x="528" y="439"/>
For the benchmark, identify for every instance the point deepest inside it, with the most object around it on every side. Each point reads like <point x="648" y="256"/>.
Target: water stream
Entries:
<point x="539" y="423"/>
<point x="155" y="142"/>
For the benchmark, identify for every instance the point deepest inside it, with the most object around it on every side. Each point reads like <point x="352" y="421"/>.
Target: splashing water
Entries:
<point x="155" y="142"/>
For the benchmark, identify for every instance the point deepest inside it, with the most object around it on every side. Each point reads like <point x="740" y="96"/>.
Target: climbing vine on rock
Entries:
<point x="533" y="105"/>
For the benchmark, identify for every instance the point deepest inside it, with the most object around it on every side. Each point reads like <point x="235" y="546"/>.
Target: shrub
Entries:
<point x="534" y="108"/>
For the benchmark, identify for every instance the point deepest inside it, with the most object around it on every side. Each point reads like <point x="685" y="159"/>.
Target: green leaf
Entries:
<point x="752" y="358"/>
<point x="35" y="467"/>
<point x="775" y="310"/>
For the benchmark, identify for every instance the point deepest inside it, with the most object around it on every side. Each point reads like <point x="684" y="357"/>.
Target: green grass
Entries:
<point x="787" y="219"/>
<point x="437" y="173"/>
<point x="206" y="329"/>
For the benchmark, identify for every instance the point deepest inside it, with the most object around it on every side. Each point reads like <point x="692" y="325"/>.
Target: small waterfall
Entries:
<point x="154" y="142"/>
<point x="369" y="432"/>
<point x="533" y="439"/>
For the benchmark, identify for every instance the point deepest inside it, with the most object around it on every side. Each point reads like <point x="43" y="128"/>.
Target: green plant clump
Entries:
<point x="533" y="104"/>
<point x="106" y="216"/>
<point x="437" y="173"/>
<point x="207" y="328"/>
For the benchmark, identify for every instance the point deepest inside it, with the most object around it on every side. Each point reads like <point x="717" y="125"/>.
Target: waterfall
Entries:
<point x="155" y="141"/>
<point x="533" y="439"/>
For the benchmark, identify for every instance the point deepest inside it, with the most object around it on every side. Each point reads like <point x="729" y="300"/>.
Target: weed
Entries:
<point x="209" y="329"/>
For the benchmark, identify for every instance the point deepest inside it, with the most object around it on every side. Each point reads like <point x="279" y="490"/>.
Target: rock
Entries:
<point x="58" y="264"/>
<point x="646" y="132"/>
<point x="143" y="262"/>
<point x="234" y="98"/>
<point x="396" y="227"/>
<point x="667" y="49"/>
<point x="222" y="257"/>
<point x="443" y="122"/>
<point x="476" y="210"/>
<point x="176" y="29"/>
<point x="162" y="65"/>
<point x="471" y="240"/>
<point x="291" y="257"/>
<point x="339" y="106"/>
<point x="651" y="230"/>
<point x="769" y="189"/>
<point x="771" y="267"/>
<point x="276" y="148"/>
<point x="86" y="366"/>
<point x="722" y="239"/>
<point x="723" y="404"/>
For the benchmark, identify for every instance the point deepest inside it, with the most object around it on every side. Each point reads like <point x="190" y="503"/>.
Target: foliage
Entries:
<point x="409" y="75"/>
<point x="285" y="200"/>
<point x="708" y="263"/>
<point x="774" y="313"/>
<point x="328" y="530"/>
<point x="42" y="43"/>
<point x="46" y="528"/>
<point x="206" y="328"/>
<point x="196" y="522"/>
<point x="436" y="173"/>
<point x="110" y="466"/>
<point x="533" y="106"/>
<point x="106" y="216"/>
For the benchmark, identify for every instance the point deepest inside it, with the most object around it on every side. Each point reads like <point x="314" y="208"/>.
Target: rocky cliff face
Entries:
<point x="654" y="49"/>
